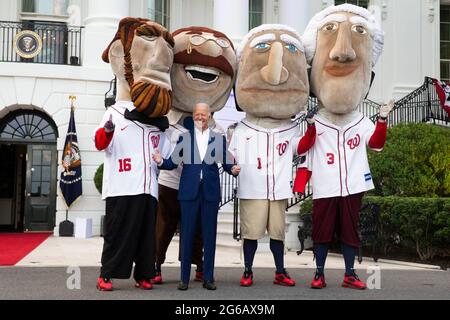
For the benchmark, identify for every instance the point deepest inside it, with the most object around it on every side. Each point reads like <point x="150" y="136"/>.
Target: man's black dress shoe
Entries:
<point x="209" y="285"/>
<point x="183" y="286"/>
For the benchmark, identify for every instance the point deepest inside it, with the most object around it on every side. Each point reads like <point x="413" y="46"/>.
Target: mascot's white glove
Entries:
<point x="109" y="125"/>
<point x="386" y="109"/>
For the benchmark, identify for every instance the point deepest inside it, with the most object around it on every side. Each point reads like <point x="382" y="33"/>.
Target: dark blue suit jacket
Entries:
<point x="186" y="152"/>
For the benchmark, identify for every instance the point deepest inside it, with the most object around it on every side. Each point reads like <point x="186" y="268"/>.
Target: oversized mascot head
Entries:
<point x="272" y="80"/>
<point x="204" y="68"/>
<point x="343" y="44"/>
<point x="141" y="57"/>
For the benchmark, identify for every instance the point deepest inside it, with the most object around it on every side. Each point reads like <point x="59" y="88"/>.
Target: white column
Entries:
<point x="231" y="17"/>
<point x="101" y="25"/>
<point x="294" y="13"/>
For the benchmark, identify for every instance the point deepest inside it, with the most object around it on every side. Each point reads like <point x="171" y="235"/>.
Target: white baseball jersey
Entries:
<point x="129" y="168"/>
<point x="171" y="179"/>
<point x="338" y="160"/>
<point x="265" y="157"/>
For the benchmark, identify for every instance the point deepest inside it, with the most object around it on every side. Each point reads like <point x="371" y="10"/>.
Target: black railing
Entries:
<point x="61" y="44"/>
<point x="421" y="105"/>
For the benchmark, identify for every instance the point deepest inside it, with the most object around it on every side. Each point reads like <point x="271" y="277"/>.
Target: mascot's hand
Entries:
<point x="236" y="170"/>
<point x="157" y="157"/>
<point x="109" y="125"/>
<point x="386" y="109"/>
<point x="310" y="117"/>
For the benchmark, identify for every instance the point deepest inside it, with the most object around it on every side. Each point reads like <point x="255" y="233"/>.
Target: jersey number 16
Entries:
<point x="124" y="165"/>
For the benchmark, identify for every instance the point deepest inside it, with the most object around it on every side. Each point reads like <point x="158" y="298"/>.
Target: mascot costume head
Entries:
<point x="204" y="70"/>
<point x="141" y="57"/>
<point x="343" y="43"/>
<point x="272" y="82"/>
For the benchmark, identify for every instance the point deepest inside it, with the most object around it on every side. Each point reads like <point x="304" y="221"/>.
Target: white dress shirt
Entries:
<point x="202" y="139"/>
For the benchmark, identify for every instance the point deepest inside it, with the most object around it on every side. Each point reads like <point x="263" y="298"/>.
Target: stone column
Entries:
<point x="101" y="25"/>
<point x="294" y="13"/>
<point x="232" y="17"/>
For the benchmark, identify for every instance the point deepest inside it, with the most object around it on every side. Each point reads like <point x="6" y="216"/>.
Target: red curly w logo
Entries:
<point x="155" y="141"/>
<point x="355" y="142"/>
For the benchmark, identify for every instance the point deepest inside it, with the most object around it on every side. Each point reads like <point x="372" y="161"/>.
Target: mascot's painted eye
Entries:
<point x="223" y="43"/>
<point x="262" y="46"/>
<point x="149" y="38"/>
<point x="359" y="29"/>
<point x="330" y="27"/>
<point x="292" y="48"/>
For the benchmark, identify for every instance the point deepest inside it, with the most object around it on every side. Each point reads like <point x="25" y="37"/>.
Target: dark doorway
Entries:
<point x="28" y="171"/>
<point x="12" y="185"/>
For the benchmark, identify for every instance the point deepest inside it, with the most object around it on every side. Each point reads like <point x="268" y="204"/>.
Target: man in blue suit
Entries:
<point x="199" y="151"/>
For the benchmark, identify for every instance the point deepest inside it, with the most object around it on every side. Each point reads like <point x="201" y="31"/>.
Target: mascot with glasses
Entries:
<point x="204" y="71"/>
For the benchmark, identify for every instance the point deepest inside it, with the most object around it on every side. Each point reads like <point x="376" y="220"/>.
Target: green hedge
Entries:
<point x="98" y="178"/>
<point x="418" y="224"/>
<point x="414" y="163"/>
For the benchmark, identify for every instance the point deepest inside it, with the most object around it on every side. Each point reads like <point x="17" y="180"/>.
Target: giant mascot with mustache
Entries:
<point x="343" y="44"/>
<point x="141" y="57"/>
<point x="204" y="71"/>
<point x="271" y="87"/>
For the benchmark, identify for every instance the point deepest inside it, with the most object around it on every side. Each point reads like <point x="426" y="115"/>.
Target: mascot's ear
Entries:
<point x="311" y="94"/>
<point x="371" y="82"/>
<point x="116" y="49"/>
<point x="235" y="100"/>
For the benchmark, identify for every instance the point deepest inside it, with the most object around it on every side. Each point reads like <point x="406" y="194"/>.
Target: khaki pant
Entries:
<point x="257" y="216"/>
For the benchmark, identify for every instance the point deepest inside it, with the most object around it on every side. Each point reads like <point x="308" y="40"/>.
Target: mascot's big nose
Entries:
<point x="274" y="73"/>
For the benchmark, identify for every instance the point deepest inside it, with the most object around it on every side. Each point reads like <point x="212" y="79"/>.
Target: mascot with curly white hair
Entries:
<point x="342" y="44"/>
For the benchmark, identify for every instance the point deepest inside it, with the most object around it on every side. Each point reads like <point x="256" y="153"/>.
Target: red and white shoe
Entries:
<point x="198" y="276"/>
<point x="283" y="279"/>
<point x="318" y="282"/>
<point x="144" y="284"/>
<point x="247" y="279"/>
<point x="157" y="279"/>
<point x="353" y="282"/>
<point x="104" y="284"/>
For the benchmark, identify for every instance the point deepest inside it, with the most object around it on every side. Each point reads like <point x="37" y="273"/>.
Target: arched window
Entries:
<point x="28" y="126"/>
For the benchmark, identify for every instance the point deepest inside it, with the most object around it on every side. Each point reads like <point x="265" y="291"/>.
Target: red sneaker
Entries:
<point x="247" y="279"/>
<point x="198" y="276"/>
<point x="104" y="284"/>
<point x="157" y="279"/>
<point x="284" y="279"/>
<point x="318" y="282"/>
<point x="353" y="282"/>
<point x="144" y="284"/>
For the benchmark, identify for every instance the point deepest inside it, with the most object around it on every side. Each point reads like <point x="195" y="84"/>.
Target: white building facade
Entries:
<point x="417" y="45"/>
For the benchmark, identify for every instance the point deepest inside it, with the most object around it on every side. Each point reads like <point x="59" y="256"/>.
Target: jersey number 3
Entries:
<point x="124" y="165"/>
<point x="330" y="158"/>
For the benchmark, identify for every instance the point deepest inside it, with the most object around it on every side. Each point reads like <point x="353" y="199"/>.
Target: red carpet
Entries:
<point x="15" y="246"/>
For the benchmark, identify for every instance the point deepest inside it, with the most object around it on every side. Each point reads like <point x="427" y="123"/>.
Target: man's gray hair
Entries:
<point x="309" y="37"/>
<point x="202" y="104"/>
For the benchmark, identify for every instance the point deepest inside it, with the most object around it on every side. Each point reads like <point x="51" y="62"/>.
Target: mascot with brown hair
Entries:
<point x="204" y="71"/>
<point x="141" y="57"/>
<point x="272" y="87"/>
<point x="343" y="44"/>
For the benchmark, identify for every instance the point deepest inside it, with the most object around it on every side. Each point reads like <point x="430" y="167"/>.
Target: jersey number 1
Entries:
<point x="124" y="165"/>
